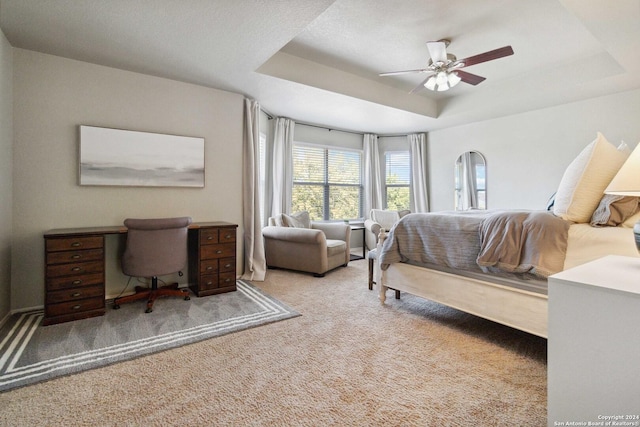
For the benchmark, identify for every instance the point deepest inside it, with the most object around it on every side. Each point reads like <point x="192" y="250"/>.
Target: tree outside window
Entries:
<point x="327" y="182"/>
<point x="397" y="180"/>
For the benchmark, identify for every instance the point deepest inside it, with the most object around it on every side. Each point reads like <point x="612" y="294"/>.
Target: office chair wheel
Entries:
<point x="187" y="297"/>
<point x="116" y="306"/>
<point x="149" y="310"/>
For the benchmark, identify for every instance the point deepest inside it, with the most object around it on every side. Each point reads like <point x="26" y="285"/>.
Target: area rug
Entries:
<point x="30" y="352"/>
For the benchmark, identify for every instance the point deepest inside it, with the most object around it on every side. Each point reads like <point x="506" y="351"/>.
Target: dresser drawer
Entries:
<point x="227" y="235"/>
<point x="209" y="236"/>
<point x="227" y="279"/>
<point x="74" y="243"/>
<point x="75" y="294"/>
<point x="208" y="281"/>
<point x="227" y="265"/>
<point x="208" y="267"/>
<point x="76" y="268"/>
<point x="226" y="250"/>
<point x="57" y="283"/>
<point x="72" y="307"/>
<point x="63" y="257"/>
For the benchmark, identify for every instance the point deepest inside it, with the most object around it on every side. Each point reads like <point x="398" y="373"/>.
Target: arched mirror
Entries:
<point x="470" y="181"/>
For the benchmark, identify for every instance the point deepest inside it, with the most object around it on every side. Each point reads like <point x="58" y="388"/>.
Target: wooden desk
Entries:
<point x="75" y="267"/>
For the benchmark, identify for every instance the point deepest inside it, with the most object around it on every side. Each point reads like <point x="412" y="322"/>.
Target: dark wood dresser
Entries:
<point x="212" y="258"/>
<point x="74" y="277"/>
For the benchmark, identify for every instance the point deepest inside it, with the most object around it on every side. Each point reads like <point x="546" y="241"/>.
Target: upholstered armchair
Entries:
<point x="293" y="242"/>
<point x="380" y="219"/>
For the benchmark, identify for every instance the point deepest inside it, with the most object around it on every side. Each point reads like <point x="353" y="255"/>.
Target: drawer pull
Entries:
<point x="227" y="280"/>
<point x="209" y="237"/>
<point x="227" y="265"/>
<point x="76" y="282"/>
<point x="76" y="244"/>
<point x="228" y="236"/>
<point x="209" y="283"/>
<point x="76" y="269"/>
<point x="210" y="268"/>
<point x="219" y="251"/>
<point x="76" y="307"/>
<point x="76" y="256"/>
<point x="76" y="294"/>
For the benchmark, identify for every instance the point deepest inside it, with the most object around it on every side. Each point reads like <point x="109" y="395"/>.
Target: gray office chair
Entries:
<point x="154" y="247"/>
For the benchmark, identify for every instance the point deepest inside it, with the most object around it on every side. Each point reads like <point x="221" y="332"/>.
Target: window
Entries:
<point x="327" y="182"/>
<point x="397" y="179"/>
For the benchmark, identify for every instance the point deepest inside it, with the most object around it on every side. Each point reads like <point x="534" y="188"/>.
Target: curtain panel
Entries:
<point x="282" y="165"/>
<point x="372" y="175"/>
<point x="419" y="182"/>
<point x="255" y="264"/>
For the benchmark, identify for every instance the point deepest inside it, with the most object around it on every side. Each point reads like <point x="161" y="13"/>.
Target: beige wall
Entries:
<point x="52" y="96"/>
<point x="6" y="179"/>
<point x="527" y="153"/>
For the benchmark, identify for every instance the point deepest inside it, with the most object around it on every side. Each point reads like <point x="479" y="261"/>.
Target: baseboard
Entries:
<point x="18" y="311"/>
<point x="4" y="320"/>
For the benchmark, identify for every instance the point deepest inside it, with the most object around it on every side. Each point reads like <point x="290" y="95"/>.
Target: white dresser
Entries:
<point x="594" y="343"/>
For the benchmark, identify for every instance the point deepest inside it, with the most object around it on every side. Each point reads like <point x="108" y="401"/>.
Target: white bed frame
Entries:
<point x="510" y="306"/>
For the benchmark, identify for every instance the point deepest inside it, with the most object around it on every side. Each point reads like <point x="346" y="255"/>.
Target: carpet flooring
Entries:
<point x="30" y="352"/>
<point x="346" y="361"/>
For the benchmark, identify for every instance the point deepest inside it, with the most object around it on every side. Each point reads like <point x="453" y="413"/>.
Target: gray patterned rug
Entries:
<point x="30" y="353"/>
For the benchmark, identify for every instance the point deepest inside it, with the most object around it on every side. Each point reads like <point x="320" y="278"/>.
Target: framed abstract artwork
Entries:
<point x="132" y="158"/>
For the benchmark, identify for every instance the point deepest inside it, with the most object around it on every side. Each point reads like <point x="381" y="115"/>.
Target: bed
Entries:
<point x="495" y="264"/>
<point x="515" y="296"/>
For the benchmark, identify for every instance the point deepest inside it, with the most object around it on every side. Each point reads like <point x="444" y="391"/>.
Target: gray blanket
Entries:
<point x="531" y="242"/>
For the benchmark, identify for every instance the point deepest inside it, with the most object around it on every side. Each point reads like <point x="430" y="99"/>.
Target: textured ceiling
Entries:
<point x="317" y="61"/>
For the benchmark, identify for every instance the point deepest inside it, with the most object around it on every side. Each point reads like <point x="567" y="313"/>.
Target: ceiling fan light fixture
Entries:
<point x="442" y="81"/>
<point x="453" y="78"/>
<point x="431" y="83"/>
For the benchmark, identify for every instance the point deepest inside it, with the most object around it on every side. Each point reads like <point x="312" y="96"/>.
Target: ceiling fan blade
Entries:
<point x="469" y="78"/>
<point x="484" y="57"/>
<point x="437" y="51"/>
<point x="395" y="73"/>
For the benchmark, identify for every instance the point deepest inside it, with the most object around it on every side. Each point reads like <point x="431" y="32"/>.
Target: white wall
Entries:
<point x="527" y="153"/>
<point x="52" y="96"/>
<point x="6" y="168"/>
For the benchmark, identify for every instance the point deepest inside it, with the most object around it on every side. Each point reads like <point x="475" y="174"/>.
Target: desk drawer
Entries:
<point x="72" y="307"/>
<point x="77" y="268"/>
<point x="227" y="265"/>
<point x="209" y="236"/>
<point x="227" y="279"/>
<point x="57" y="283"/>
<point x="75" y="294"/>
<point x="63" y="257"/>
<point x="209" y="267"/>
<point x="227" y="235"/>
<point x="74" y="243"/>
<point x="208" y="281"/>
<point x="226" y="250"/>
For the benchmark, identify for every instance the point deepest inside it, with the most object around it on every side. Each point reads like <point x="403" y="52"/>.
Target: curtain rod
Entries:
<point x="354" y="132"/>
<point x="330" y="129"/>
<point x="271" y="117"/>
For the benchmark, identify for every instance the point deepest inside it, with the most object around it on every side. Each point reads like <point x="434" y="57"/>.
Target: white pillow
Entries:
<point x="385" y="218"/>
<point x="297" y="220"/>
<point x="585" y="180"/>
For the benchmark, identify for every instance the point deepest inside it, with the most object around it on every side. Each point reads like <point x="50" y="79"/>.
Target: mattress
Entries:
<point x="585" y="244"/>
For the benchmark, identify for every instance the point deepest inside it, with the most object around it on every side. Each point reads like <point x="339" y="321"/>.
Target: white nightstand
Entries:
<point x="594" y="343"/>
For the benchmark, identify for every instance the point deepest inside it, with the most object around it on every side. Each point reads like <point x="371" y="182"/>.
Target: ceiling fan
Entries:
<point x="444" y="69"/>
